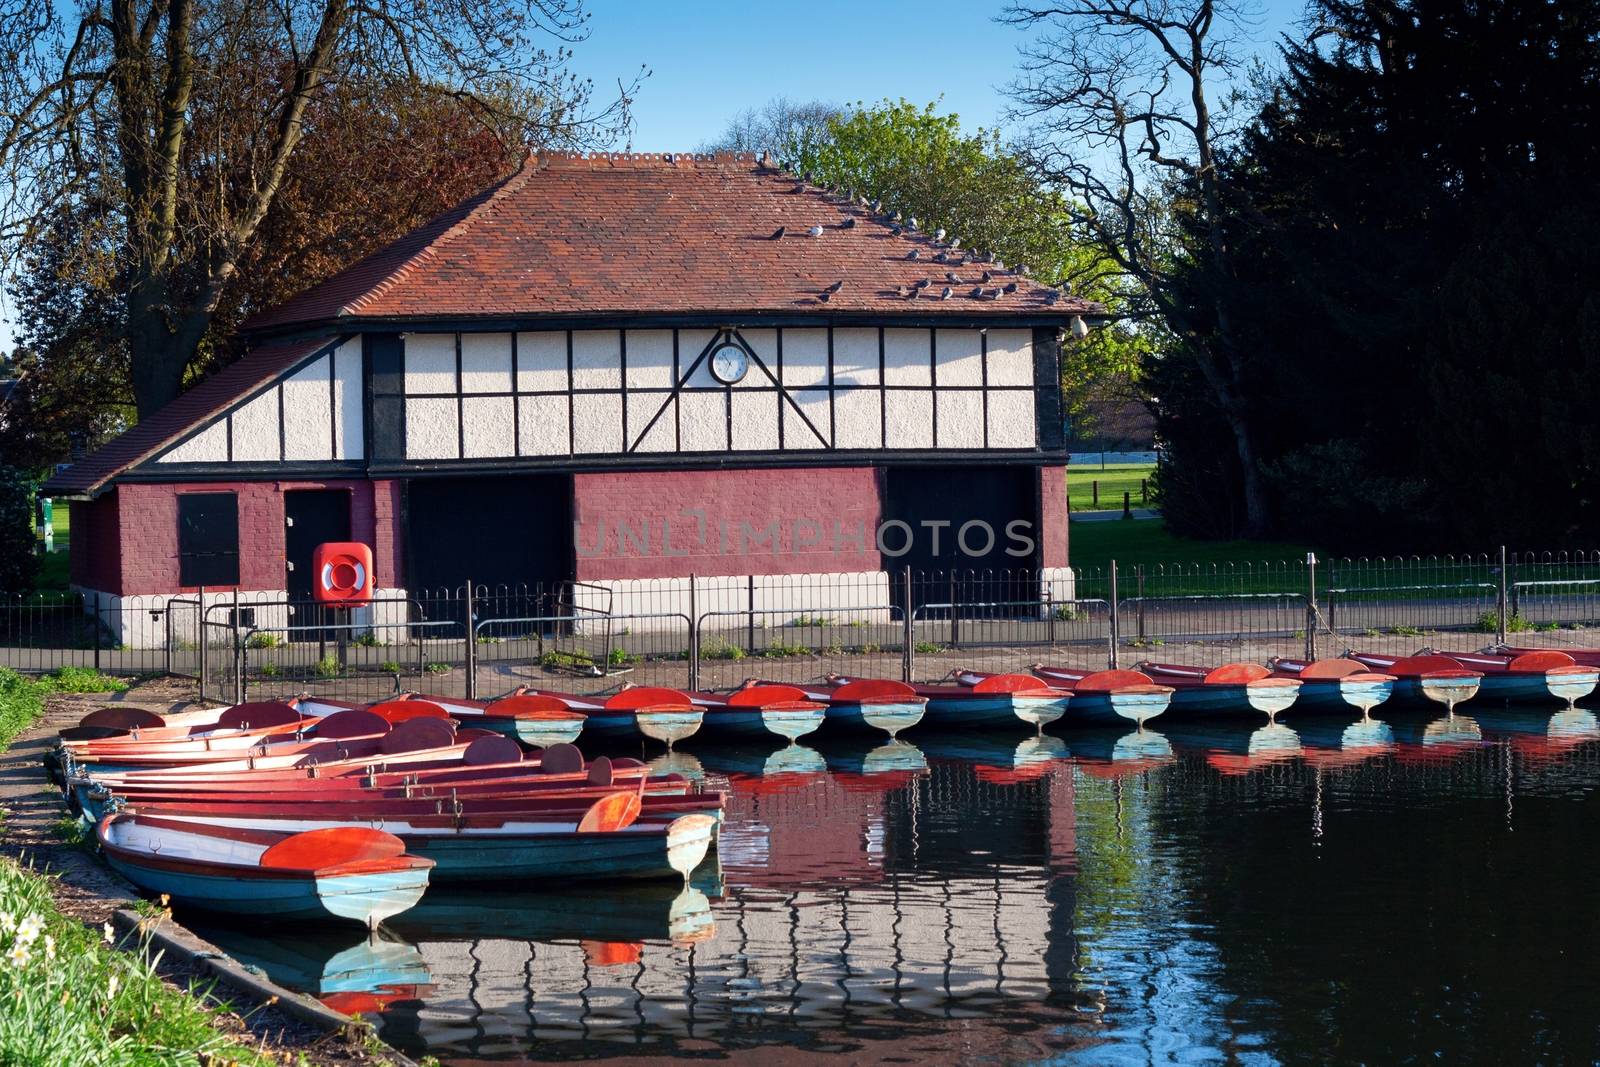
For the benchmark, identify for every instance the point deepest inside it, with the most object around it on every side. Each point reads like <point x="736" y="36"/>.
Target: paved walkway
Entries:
<point x="1113" y="516"/>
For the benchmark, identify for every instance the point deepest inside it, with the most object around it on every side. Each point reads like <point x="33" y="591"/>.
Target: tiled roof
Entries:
<point x="665" y="235"/>
<point x="200" y="404"/>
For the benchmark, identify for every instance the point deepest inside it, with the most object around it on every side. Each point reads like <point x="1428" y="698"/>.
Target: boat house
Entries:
<point x="609" y="368"/>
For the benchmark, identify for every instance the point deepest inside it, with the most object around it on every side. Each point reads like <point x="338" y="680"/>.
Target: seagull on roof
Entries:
<point x="777" y="234"/>
<point x="815" y="231"/>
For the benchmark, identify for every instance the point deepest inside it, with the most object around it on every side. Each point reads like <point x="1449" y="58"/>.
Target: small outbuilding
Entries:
<point x="609" y="368"/>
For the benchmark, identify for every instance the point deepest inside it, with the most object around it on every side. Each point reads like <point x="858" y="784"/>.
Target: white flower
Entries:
<point x="49" y="947"/>
<point x="29" y="930"/>
<point x="108" y="934"/>
<point x="111" y="988"/>
<point x="7" y="923"/>
<point x="18" y="954"/>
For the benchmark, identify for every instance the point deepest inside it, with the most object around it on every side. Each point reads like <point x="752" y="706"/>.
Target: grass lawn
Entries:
<point x="1114" y="479"/>
<point x="1146" y="542"/>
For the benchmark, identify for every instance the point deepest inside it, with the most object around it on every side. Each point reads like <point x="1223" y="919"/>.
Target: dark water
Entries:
<point x="1420" y="890"/>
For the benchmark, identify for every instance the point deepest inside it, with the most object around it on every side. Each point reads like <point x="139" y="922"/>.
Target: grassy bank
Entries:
<point x="67" y="995"/>
<point x="71" y="997"/>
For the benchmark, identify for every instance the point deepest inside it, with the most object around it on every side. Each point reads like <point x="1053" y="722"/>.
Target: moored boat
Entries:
<point x="1433" y="679"/>
<point x="869" y="704"/>
<point x="975" y="699"/>
<point x="1105" y="697"/>
<point x="1327" y="684"/>
<point x="1246" y="689"/>
<point x="759" y="710"/>
<point x="339" y="872"/>
<point x="1236" y="749"/>
<point x="634" y="714"/>
<point x="536" y="720"/>
<point x="1545" y="674"/>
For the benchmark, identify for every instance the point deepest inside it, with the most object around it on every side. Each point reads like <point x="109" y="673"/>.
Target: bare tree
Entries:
<point x="780" y="126"/>
<point x="1120" y="100"/>
<point x="187" y="113"/>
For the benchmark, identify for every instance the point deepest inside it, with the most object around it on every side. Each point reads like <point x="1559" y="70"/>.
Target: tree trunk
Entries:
<point x="158" y="354"/>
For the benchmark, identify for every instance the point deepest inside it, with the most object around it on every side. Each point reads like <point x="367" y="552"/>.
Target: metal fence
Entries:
<point x="715" y="632"/>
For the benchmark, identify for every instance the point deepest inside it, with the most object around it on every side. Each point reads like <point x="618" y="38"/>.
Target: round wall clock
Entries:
<point x="729" y="363"/>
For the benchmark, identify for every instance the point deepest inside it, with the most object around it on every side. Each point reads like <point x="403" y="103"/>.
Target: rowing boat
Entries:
<point x="536" y="721"/>
<point x="1341" y="683"/>
<point x="1546" y="674"/>
<point x="1425" y="678"/>
<point x="1105" y="697"/>
<point x="1232" y="689"/>
<point x="338" y="872"/>
<point x="869" y="704"/>
<point x="974" y="699"/>
<point x="635" y="714"/>
<point x="759" y="711"/>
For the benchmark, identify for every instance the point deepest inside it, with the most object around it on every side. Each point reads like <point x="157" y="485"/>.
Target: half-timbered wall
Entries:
<point x="311" y="415"/>
<point x="641" y="392"/>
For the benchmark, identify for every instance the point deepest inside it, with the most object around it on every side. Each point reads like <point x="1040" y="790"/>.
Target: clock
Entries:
<point x="729" y="363"/>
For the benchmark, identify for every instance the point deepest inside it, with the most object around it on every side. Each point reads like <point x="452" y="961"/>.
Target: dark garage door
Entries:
<point x="956" y="496"/>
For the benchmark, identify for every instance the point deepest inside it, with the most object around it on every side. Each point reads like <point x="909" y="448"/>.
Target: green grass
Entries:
<point x="1114" y="480"/>
<point x="72" y="998"/>
<point x="1146" y="542"/>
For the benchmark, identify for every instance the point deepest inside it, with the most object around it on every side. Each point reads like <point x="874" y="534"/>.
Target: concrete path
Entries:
<point x="1113" y="516"/>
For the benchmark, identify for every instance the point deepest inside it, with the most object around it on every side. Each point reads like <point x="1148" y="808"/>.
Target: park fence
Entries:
<point x="481" y="641"/>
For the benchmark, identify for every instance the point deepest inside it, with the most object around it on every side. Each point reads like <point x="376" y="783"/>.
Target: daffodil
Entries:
<point x="29" y="930"/>
<point x="18" y="955"/>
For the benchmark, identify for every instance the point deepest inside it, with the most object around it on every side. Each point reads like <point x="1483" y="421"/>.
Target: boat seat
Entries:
<point x="600" y="771"/>
<point x="415" y="734"/>
<point x="490" y="748"/>
<point x="561" y="759"/>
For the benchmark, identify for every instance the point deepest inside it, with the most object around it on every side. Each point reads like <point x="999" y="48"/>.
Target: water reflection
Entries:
<point x="1342" y="890"/>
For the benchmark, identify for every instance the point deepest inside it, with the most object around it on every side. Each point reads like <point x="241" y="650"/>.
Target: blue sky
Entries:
<point x="710" y="59"/>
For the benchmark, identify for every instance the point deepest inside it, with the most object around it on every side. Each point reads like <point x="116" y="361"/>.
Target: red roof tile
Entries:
<point x="200" y="404"/>
<point x="663" y="235"/>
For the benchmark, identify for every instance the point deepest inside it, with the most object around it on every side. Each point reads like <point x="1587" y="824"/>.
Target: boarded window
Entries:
<point x="208" y="539"/>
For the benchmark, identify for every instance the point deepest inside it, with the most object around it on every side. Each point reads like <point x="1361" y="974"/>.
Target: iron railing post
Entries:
<point x="750" y="615"/>
<point x="908" y="653"/>
<point x="694" y="639"/>
<point x="1515" y="605"/>
<point x="472" y="646"/>
<point x="1138" y="585"/>
<point x="1114" y="652"/>
<point x="204" y="658"/>
<point x="96" y="629"/>
<point x="1311" y="606"/>
<point x="955" y="625"/>
<point x="1500" y="602"/>
<point x="238" y="654"/>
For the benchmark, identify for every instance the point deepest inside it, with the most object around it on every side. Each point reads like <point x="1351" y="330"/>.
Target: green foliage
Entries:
<point x="927" y="648"/>
<point x="21" y="704"/>
<point x="620" y="657"/>
<point x="926" y="166"/>
<point x="366" y="640"/>
<point x="811" y="620"/>
<point x="71" y="998"/>
<point x="783" y="651"/>
<point x="716" y="648"/>
<point x="83" y="680"/>
<point x="18" y="564"/>
<point x="1489" y="623"/>
<point x="262" y="639"/>
<point x="268" y="670"/>
<point x="1405" y="631"/>
<point x="437" y="668"/>
<point x="327" y="666"/>
<point x="389" y="666"/>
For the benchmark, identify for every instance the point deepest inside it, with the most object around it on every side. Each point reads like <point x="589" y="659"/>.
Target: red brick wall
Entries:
<point x="94" y="550"/>
<point x="1053" y="516"/>
<point x="149" y="530"/>
<point x="826" y="520"/>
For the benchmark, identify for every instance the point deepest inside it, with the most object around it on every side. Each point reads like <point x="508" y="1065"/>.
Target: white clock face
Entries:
<point x="729" y="363"/>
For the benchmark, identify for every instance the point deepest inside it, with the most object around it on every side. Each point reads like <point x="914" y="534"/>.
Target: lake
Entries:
<point x="1326" y="891"/>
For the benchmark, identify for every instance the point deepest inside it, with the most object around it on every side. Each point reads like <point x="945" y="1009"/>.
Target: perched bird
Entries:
<point x="999" y="264"/>
<point x="911" y="223"/>
<point x="945" y="293"/>
<point x="835" y="287"/>
<point x="1011" y="287"/>
<point x="939" y="234"/>
<point x="988" y="276"/>
<point x="921" y="283"/>
<point x="955" y="244"/>
<point x="778" y="233"/>
<point x="848" y="224"/>
<point x="815" y="231"/>
<point x="825" y="296"/>
<point x="1066" y="286"/>
<point x="977" y="292"/>
<point x="895" y="230"/>
<point x="905" y="290"/>
<point x="940" y="258"/>
<point x="1022" y="269"/>
<point x="952" y="276"/>
<point x="877" y="207"/>
<point x="896" y="216"/>
<point x="1051" y="296"/>
<point x="914" y="254"/>
<point x="799" y="187"/>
